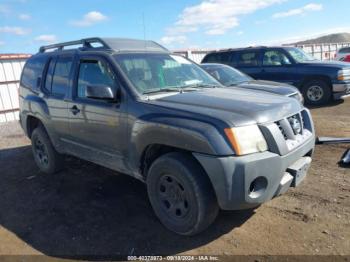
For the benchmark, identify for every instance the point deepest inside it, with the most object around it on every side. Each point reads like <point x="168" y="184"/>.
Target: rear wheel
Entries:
<point x="316" y="92"/>
<point x="181" y="194"/>
<point x="46" y="157"/>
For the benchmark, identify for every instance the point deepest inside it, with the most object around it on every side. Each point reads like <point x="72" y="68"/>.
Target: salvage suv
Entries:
<point x="134" y="107"/>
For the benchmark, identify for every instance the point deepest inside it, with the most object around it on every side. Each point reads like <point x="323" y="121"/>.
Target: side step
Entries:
<point x="332" y="140"/>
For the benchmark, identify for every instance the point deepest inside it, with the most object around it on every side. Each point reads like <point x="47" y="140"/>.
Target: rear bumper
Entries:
<point x="232" y="177"/>
<point x="340" y="90"/>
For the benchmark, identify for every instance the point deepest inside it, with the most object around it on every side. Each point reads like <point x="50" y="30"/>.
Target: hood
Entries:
<point x="334" y="64"/>
<point x="269" y="86"/>
<point x="235" y="106"/>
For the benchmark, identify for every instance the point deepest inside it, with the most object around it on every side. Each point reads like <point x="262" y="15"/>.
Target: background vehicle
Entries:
<point x="228" y="76"/>
<point x="134" y="107"/>
<point x="343" y="54"/>
<point x="318" y="81"/>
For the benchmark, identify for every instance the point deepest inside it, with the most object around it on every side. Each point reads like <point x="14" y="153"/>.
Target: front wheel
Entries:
<point x="316" y="92"/>
<point x="181" y="194"/>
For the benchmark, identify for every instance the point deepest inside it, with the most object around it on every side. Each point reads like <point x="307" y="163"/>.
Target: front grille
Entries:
<point x="295" y="129"/>
<point x="282" y="138"/>
<point x="291" y="126"/>
<point x="282" y="130"/>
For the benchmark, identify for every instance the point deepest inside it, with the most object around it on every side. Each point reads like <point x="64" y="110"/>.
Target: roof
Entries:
<point x="14" y="56"/>
<point x="247" y="48"/>
<point x="114" y="44"/>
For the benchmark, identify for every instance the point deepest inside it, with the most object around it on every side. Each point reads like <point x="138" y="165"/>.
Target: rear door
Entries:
<point x="97" y="127"/>
<point x="56" y="88"/>
<point x="278" y="66"/>
<point x="248" y="61"/>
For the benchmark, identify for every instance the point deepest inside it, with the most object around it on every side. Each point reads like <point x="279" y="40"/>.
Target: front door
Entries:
<point x="277" y="66"/>
<point x="97" y="127"/>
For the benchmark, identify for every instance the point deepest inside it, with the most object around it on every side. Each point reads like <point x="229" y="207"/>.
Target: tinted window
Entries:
<point x="248" y="58"/>
<point x="32" y="71"/>
<point x="92" y="73"/>
<point x="48" y="80"/>
<point x="345" y="50"/>
<point x="222" y="57"/>
<point x="61" y="75"/>
<point x="275" y="58"/>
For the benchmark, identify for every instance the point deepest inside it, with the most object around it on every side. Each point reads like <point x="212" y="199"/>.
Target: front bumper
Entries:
<point x="340" y="90"/>
<point x="232" y="176"/>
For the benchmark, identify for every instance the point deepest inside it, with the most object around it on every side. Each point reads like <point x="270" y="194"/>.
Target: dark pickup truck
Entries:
<point x="319" y="81"/>
<point x="134" y="107"/>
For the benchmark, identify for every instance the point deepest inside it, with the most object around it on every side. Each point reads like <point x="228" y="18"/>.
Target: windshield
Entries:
<point x="151" y="73"/>
<point x="299" y="55"/>
<point x="227" y="75"/>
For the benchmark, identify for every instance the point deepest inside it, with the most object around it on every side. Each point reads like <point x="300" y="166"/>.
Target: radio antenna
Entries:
<point x="144" y="28"/>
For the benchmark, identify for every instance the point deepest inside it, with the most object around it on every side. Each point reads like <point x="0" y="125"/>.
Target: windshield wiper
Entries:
<point x="159" y="90"/>
<point x="200" y="86"/>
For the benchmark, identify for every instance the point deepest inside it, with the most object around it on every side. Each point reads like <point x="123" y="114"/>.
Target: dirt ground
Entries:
<point x="89" y="210"/>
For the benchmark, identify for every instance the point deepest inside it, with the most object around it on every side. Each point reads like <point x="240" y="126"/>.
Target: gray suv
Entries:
<point x="134" y="107"/>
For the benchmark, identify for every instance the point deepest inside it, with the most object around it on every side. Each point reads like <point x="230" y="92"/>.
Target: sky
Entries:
<point x="25" y="25"/>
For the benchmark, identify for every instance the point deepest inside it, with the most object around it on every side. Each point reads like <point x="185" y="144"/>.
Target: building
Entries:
<point x="11" y="66"/>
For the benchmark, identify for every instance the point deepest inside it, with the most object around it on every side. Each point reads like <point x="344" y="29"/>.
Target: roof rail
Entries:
<point x="86" y="43"/>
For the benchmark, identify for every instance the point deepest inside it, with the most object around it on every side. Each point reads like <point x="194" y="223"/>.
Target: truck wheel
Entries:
<point x="181" y="194"/>
<point x="46" y="157"/>
<point x="316" y="92"/>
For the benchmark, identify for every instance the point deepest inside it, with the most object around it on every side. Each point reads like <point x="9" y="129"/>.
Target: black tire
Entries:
<point x="46" y="157"/>
<point x="181" y="194"/>
<point x="316" y="92"/>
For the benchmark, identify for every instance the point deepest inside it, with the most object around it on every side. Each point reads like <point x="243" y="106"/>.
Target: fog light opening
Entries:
<point x="257" y="187"/>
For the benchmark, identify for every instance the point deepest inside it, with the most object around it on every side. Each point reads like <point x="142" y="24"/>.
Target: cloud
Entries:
<point x="89" y="19"/>
<point x="24" y="17"/>
<point x="216" y="17"/>
<point x="2" y="43"/>
<point x="14" y="30"/>
<point x="299" y="11"/>
<point x="46" y="38"/>
<point x="168" y="40"/>
<point x="240" y="33"/>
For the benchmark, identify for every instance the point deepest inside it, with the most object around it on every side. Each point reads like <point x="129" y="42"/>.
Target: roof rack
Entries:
<point x="86" y="43"/>
<point x="116" y="44"/>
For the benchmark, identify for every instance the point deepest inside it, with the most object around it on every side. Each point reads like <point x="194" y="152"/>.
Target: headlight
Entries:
<point x="344" y="74"/>
<point x="246" y="139"/>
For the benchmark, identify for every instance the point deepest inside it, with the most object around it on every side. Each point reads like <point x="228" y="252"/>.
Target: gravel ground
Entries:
<point x="89" y="210"/>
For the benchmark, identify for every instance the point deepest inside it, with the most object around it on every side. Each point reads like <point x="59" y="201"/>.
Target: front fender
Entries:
<point x="186" y="134"/>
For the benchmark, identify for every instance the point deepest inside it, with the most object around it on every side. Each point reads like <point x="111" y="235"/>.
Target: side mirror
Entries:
<point x="101" y="92"/>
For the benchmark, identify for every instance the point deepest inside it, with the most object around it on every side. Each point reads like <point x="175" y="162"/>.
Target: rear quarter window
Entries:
<point x="222" y="57"/>
<point x="32" y="72"/>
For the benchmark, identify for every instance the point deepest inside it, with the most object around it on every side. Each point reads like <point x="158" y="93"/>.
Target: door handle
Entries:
<point x="75" y="110"/>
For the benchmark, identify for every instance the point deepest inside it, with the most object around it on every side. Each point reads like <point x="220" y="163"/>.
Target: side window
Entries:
<point x="275" y="58"/>
<point x="249" y="58"/>
<point x="222" y="57"/>
<point x="48" y="80"/>
<point x="94" y="72"/>
<point x="344" y="50"/>
<point x="61" y="76"/>
<point x="32" y="72"/>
